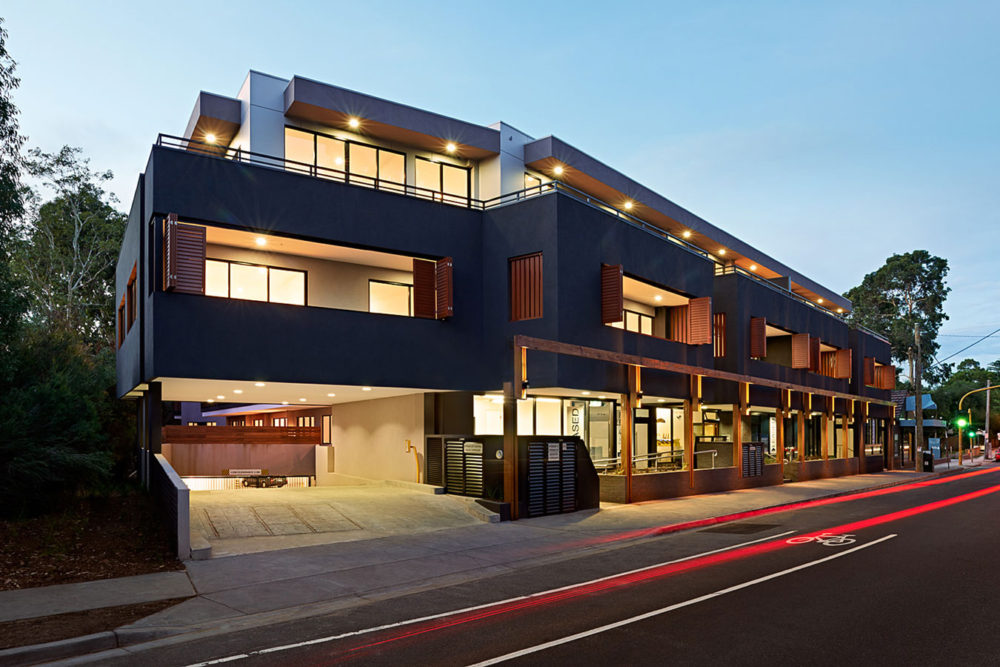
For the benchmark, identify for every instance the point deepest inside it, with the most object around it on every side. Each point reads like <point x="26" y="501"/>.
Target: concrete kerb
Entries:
<point x="128" y="641"/>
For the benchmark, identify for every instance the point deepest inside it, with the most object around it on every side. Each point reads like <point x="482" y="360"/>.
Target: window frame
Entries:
<point x="267" y="281"/>
<point x="440" y="195"/>
<point x="345" y="175"/>
<point x="409" y="302"/>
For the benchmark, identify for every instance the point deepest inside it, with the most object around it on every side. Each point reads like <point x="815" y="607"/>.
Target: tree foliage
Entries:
<point x="908" y="290"/>
<point x="70" y="247"/>
<point x="965" y="377"/>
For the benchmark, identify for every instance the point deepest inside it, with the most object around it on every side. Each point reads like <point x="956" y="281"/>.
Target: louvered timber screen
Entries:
<point x="551" y="477"/>
<point x="679" y="324"/>
<point x="183" y="258"/>
<point x="700" y="321"/>
<point x="828" y="364"/>
<point x="758" y="337"/>
<point x="869" y="370"/>
<point x="612" y="298"/>
<point x="843" y="365"/>
<point x="719" y="334"/>
<point x="434" y="461"/>
<point x="885" y="377"/>
<point x="525" y="287"/>
<point x="424" y="300"/>
<point x="800" y="350"/>
<point x="814" y="355"/>
<point x="445" y="306"/>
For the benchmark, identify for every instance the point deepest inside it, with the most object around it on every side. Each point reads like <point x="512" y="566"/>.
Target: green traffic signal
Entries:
<point x="960" y="422"/>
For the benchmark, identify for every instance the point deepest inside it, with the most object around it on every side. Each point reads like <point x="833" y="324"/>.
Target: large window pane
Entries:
<point x="216" y="278"/>
<point x="248" y="282"/>
<point x="532" y="184"/>
<point x="299" y="147"/>
<point x="548" y="416"/>
<point x="330" y="154"/>
<point x="388" y="298"/>
<point x="428" y="177"/>
<point x="391" y="170"/>
<point x="363" y="164"/>
<point x="456" y="182"/>
<point x="287" y="286"/>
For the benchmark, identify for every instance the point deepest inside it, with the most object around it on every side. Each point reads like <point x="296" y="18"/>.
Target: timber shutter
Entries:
<point x="843" y="365"/>
<point x="885" y="377"/>
<point x="869" y="371"/>
<point x="183" y="257"/>
<point x="719" y="334"/>
<point x="758" y="337"/>
<point x="800" y="350"/>
<point x="424" y="298"/>
<point x="612" y="299"/>
<point x="814" y="355"/>
<point x="525" y="287"/>
<point x="442" y="274"/>
<point x="679" y="324"/>
<point x="700" y="321"/>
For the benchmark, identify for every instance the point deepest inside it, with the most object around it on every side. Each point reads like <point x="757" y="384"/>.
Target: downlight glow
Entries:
<point x="451" y="147"/>
<point x="210" y="138"/>
<point x="687" y="233"/>
<point x="260" y="240"/>
<point x="259" y="384"/>
<point x="557" y="170"/>
<point x="353" y="123"/>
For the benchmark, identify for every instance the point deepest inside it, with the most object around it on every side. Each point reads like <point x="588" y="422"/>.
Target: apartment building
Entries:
<point x="390" y="275"/>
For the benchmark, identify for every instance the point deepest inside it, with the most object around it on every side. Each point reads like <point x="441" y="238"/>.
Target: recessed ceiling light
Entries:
<point x="602" y="396"/>
<point x="687" y="233"/>
<point x="840" y="310"/>
<point x="260" y="240"/>
<point x="211" y="400"/>
<point x="284" y="402"/>
<point x="331" y="395"/>
<point x="353" y="123"/>
<point x="722" y="251"/>
<point x="302" y="400"/>
<point x="557" y="170"/>
<point x="586" y="393"/>
<point x="220" y="397"/>
<point x="237" y="391"/>
<point x="753" y="267"/>
<point x="259" y="384"/>
<point x="628" y="206"/>
<point x="662" y="400"/>
<point x="450" y="147"/>
<point x="210" y="138"/>
<point x="366" y="389"/>
<point x="820" y="300"/>
<point x="657" y="298"/>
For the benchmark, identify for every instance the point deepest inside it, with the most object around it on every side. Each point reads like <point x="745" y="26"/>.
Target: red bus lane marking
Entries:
<point x="427" y="624"/>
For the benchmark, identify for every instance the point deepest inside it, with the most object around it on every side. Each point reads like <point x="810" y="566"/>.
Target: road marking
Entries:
<point x="673" y="607"/>
<point x="446" y="614"/>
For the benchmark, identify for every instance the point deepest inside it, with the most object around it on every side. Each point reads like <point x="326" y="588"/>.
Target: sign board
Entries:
<point x="243" y="472"/>
<point x="472" y="448"/>
<point x="553" y="452"/>
<point x="935" y="446"/>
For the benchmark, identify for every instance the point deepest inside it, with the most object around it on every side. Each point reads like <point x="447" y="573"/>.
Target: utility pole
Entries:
<point x="918" y="402"/>
<point x="987" y="419"/>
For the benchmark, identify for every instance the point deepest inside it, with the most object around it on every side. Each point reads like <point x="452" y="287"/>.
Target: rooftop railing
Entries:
<point x="341" y="176"/>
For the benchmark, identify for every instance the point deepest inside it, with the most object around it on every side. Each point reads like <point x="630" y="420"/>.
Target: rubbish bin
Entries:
<point x="928" y="459"/>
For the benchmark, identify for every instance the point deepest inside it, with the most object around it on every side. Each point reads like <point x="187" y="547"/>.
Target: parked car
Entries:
<point x="265" y="482"/>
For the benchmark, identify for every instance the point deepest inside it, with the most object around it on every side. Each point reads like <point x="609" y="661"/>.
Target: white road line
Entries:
<point x="673" y="607"/>
<point x="389" y="626"/>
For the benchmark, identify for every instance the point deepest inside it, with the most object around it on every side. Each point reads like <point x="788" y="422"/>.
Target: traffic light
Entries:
<point x="961" y="422"/>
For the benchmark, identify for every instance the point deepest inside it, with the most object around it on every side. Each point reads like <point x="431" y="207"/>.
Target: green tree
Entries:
<point x="965" y="377"/>
<point x="908" y="290"/>
<point x="70" y="246"/>
<point x="12" y="301"/>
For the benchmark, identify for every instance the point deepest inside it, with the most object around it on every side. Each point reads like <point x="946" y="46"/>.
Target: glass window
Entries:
<point x="631" y="321"/>
<point x="548" y="416"/>
<point x="532" y="184"/>
<point x="299" y="147"/>
<point x="388" y="298"/>
<point x="287" y="286"/>
<point x="428" y="177"/>
<point x="330" y="154"/>
<point x="526" y="417"/>
<point x="363" y="164"/>
<point x="248" y="282"/>
<point x="455" y="181"/>
<point x="391" y="170"/>
<point x="646" y="325"/>
<point x="216" y="278"/>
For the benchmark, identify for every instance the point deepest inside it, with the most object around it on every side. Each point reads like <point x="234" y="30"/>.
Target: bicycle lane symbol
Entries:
<point x="826" y="539"/>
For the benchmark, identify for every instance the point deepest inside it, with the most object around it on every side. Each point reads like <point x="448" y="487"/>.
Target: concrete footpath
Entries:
<point x="252" y="590"/>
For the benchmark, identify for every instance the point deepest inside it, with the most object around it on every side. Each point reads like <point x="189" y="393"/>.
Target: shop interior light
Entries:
<point x="284" y="402"/>
<point x="260" y="240"/>
<point x="586" y="393"/>
<point x="657" y="298"/>
<point x="259" y="384"/>
<point x="546" y="399"/>
<point x="366" y="389"/>
<point x="211" y="400"/>
<point x="237" y="391"/>
<point x="331" y="395"/>
<point x="220" y="397"/>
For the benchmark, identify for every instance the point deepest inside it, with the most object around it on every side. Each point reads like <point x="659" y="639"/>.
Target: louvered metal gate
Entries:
<point x="753" y="459"/>
<point x="434" y="461"/>
<point x="463" y="464"/>
<point x="551" y="482"/>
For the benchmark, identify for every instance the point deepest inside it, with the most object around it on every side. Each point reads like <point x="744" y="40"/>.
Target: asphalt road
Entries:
<point x="910" y="578"/>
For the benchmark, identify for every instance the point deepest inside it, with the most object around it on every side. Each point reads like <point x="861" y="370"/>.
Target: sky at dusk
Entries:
<point x="829" y="136"/>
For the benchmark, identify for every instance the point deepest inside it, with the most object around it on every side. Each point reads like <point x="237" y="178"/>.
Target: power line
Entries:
<point x="992" y="333"/>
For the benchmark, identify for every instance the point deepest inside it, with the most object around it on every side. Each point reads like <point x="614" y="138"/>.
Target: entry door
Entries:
<point x="644" y="440"/>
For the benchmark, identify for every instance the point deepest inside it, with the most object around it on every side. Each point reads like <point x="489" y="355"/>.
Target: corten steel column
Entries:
<point x="844" y="427"/>
<point x="628" y="430"/>
<point x="689" y="439"/>
<point x="738" y="439"/>
<point x="801" y="444"/>
<point x="824" y="440"/>
<point x="890" y="443"/>
<point x="779" y="433"/>
<point x="510" y="447"/>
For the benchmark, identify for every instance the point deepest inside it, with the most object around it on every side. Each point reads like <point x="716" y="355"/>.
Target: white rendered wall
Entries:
<point x="369" y="437"/>
<point x="266" y="102"/>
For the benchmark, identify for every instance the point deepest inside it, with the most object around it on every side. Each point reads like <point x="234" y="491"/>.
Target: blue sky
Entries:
<point x="828" y="136"/>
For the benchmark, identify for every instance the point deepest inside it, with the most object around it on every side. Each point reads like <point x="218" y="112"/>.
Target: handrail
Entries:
<point x="713" y="452"/>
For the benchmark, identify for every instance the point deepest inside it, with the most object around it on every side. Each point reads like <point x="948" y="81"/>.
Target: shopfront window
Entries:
<point x="814" y="437"/>
<point x="791" y="433"/>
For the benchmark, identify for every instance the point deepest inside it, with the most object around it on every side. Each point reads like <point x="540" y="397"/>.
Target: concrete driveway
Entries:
<point x="254" y="520"/>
